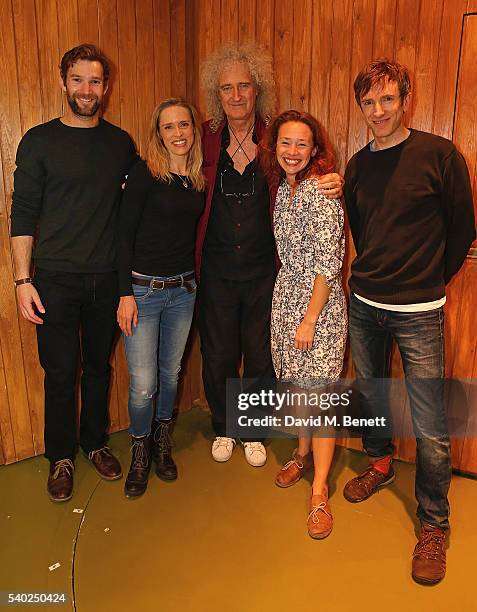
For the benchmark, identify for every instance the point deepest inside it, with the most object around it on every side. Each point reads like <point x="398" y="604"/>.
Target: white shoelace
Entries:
<point x="223" y="441"/>
<point x="255" y="447"/>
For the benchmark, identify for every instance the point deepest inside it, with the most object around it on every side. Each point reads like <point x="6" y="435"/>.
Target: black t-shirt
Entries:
<point x="68" y="186"/>
<point x="156" y="227"/>
<point x="239" y="243"/>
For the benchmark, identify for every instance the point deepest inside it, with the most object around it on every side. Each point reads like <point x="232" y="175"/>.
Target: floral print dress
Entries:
<point x="309" y="235"/>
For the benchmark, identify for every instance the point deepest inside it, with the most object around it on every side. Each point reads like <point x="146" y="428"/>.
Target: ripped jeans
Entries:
<point x="420" y="339"/>
<point x="154" y="352"/>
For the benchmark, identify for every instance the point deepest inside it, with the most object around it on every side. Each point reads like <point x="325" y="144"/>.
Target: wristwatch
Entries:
<point x="23" y="281"/>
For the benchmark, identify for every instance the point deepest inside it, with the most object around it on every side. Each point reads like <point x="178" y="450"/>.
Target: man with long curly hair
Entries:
<point x="235" y="249"/>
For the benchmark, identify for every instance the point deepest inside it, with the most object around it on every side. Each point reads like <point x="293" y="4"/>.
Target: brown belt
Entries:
<point x="155" y="283"/>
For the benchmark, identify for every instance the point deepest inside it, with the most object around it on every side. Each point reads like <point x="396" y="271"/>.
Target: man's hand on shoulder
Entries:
<point x="331" y="185"/>
<point x="28" y="300"/>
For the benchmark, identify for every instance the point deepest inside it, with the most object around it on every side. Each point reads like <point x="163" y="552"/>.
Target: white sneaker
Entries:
<point x="255" y="453"/>
<point x="222" y="448"/>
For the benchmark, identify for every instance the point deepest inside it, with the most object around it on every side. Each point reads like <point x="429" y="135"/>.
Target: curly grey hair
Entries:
<point x="259" y="63"/>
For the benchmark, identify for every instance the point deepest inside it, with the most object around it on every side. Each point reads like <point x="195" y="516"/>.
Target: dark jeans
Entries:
<point x="420" y="338"/>
<point x="234" y="320"/>
<point x="78" y="306"/>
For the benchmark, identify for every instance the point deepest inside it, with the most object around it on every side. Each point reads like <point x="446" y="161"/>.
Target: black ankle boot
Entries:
<point x="161" y="449"/>
<point x="136" y="481"/>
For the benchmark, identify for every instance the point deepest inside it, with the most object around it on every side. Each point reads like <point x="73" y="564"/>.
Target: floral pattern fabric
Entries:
<point x="309" y="235"/>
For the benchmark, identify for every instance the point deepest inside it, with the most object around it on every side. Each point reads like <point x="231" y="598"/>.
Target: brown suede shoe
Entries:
<point x="363" y="486"/>
<point x="320" y="519"/>
<point x="105" y="463"/>
<point x="60" y="480"/>
<point x="429" y="557"/>
<point x="292" y="471"/>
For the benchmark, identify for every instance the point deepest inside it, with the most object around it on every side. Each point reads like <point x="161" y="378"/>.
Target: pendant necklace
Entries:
<point x="240" y="142"/>
<point x="184" y="180"/>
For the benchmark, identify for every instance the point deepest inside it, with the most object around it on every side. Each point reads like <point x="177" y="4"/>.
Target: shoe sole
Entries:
<point x="59" y="501"/>
<point x="222" y="460"/>
<point x="166" y="478"/>
<point x="128" y="495"/>
<point x="320" y="536"/>
<point x="109" y="478"/>
<point x="361" y="499"/>
<point x="256" y="466"/>
<point x="285" y="486"/>
<point x="426" y="582"/>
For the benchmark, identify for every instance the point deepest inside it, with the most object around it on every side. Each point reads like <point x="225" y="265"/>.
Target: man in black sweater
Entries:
<point x="410" y="210"/>
<point x="66" y="193"/>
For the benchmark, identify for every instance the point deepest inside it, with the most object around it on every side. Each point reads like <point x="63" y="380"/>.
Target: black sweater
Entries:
<point x="157" y="227"/>
<point x="411" y="215"/>
<point x="68" y="183"/>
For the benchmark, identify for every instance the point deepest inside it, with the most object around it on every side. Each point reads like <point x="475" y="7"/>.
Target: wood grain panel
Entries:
<point x="229" y="23"/>
<point x="162" y="50"/>
<point x="10" y="338"/>
<point x="68" y="35"/>
<point x="178" y="59"/>
<point x="50" y="56"/>
<point x="144" y="74"/>
<point x="265" y="23"/>
<point x="247" y="20"/>
<point x="127" y="65"/>
<point x="363" y="16"/>
<point x="340" y="79"/>
<point x="321" y="45"/>
<point x="300" y="65"/>
<point x="385" y="28"/>
<point x="108" y="42"/>
<point x="208" y="12"/>
<point x="88" y="27"/>
<point x="425" y="71"/>
<point x="407" y="24"/>
<point x="283" y="52"/>
<point x="447" y="66"/>
<point x="7" y="440"/>
<point x="465" y="129"/>
<point x="26" y="44"/>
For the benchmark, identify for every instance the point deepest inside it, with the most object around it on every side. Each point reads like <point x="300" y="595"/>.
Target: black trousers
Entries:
<point x="234" y="320"/>
<point x="80" y="320"/>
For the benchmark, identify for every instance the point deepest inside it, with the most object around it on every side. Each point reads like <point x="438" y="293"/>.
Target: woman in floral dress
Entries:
<point x="309" y="323"/>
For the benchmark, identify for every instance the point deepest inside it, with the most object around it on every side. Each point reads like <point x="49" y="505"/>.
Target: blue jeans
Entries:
<point x="157" y="343"/>
<point x="420" y="338"/>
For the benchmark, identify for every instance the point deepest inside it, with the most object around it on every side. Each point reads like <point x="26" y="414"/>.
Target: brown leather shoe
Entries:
<point x="320" y="519"/>
<point x="363" y="486"/>
<point x="105" y="463"/>
<point x="60" y="480"/>
<point x="292" y="471"/>
<point x="429" y="557"/>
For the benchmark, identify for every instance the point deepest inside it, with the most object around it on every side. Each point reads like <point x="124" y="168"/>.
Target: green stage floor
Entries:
<point x="224" y="538"/>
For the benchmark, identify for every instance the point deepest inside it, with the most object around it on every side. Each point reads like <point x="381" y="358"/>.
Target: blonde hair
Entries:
<point x="259" y="63"/>
<point x="157" y="156"/>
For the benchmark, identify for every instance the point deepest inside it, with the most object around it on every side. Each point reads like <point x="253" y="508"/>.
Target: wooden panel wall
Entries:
<point x="146" y="41"/>
<point x="157" y="46"/>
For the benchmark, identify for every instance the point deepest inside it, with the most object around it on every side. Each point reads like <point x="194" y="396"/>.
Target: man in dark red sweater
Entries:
<point x="410" y="210"/>
<point x="235" y="249"/>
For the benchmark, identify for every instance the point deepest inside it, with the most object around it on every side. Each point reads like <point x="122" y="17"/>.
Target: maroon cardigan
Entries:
<point x="211" y="142"/>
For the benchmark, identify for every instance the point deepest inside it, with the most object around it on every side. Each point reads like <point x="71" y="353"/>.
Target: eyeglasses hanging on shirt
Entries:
<point x="227" y="192"/>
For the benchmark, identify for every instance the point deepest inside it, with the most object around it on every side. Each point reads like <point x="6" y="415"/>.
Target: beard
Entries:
<point x="86" y="111"/>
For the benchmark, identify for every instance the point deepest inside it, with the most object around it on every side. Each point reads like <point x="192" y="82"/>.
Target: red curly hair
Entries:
<point x="322" y="163"/>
